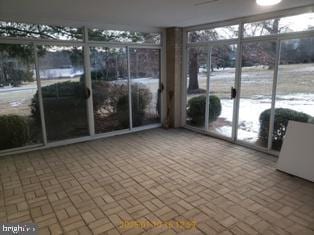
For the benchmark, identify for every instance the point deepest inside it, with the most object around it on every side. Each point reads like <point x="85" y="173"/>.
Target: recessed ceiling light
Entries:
<point x="267" y="2"/>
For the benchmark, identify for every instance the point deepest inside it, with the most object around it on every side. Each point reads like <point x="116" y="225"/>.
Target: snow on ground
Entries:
<point x="250" y="110"/>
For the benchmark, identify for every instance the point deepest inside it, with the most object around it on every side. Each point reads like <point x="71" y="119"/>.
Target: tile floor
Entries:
<point x="154" y="182"/>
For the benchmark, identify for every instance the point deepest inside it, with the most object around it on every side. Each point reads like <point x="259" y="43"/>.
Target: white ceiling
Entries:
<point x="133" y="14"/>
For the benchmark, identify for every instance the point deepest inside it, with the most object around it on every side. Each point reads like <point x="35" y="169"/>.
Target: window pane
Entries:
<point x="295" y="86"/>
<point x="110" y="88"/>
<point x="258" y="61"/>
<point x="145" y="78"/>
<point x="19" y="120"/>
<point x="222" y="78"/>
<point x="21" y="30"/>
<point x="227" y="32"/>
<point x="196" y="86"/>
<point x="123" y="36"/>
<point x="288" y="24"/>
<point x="63" y="91"/>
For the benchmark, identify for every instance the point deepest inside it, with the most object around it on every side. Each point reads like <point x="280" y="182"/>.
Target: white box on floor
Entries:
<point x="297" y="152"/>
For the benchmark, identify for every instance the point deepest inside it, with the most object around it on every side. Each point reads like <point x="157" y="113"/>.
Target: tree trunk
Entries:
<point x="193" y="70"/>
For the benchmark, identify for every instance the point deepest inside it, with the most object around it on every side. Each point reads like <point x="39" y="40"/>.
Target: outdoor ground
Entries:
<point x="155" y="177"/>
<point x="295" y="90"/>
<point x="16" y="100"/>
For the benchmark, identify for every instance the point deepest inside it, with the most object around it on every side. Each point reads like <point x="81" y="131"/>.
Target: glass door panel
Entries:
<point x="258" y="62"/>
<point x="20" y="123"/>
<point x="109" y="75"/>
<point x="63" y="90"/>
<point x="295" y="86"/>
<point x="221" y="81"/>
<point x="145" y="86"/>
<point x="197" y="80"/>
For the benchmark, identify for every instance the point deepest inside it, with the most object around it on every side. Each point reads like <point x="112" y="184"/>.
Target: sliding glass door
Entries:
<point x="210" y="88"/>
<point x="275" y="84"/>
<point x="62" y="84"/>
<point x="245" y="81"/>
<point x="62" y="81"/>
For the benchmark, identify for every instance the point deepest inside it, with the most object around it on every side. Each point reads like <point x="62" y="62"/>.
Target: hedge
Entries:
<point x="65" y="110"/>
<point x="282" y="117"/>
<point x="14" y="131"/>
<point x="196" y="109"/>
<point x="65" y="106"/>
<point x="141" y="97"/>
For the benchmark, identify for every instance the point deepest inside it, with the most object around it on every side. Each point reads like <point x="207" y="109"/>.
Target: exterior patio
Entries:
<point x="154" y="176"/>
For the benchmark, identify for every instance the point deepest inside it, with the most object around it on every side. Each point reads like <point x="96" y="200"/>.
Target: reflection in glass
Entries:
<point x="258" y="61"/>
<point x="145" y="81"/>
<point x="196" y="86"/>
<point x="18" y="88"/>
<point x="63" y="90"/>
<point x="109" y="74"/>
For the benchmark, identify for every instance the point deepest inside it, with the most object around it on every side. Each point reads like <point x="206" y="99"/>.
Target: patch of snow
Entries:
<point x="250" y="110"/>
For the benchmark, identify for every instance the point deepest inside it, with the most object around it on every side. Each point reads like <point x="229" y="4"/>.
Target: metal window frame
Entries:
<point x="274" y="92"/>
<point x="209" y="46"/>
<point x="86" y="44"/>
<point x="40" y="98"/>
<point x="130" y="90"/>
<point x="239" y="42"/>
<point x="88" y="84"/>
<point x="209" y="63"/>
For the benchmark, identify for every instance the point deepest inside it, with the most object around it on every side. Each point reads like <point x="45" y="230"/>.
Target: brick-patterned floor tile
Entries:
<point x="154" y="177"/>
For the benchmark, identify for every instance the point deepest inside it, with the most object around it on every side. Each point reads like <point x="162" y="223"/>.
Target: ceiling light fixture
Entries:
<point x="267" y="2"/>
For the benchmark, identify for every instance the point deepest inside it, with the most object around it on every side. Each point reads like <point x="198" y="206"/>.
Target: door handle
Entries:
<point x="233" y="93"/>
<point x="87" y="92"/>
<point x="161" y="88"/>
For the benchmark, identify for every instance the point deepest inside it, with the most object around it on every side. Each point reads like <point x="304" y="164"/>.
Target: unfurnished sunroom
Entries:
<point x="156" y="117"/>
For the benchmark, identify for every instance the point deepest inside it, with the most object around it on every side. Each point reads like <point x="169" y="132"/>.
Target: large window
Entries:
<point x="19" y="123"/>
<point x="63" y="83"/>
<point x="257" y="84"/>
<point x="295" y="86"/>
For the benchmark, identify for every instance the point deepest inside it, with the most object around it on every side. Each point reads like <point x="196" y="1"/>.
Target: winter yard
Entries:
<point x="295" y="90"/>
<point x="17" y="100"/>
